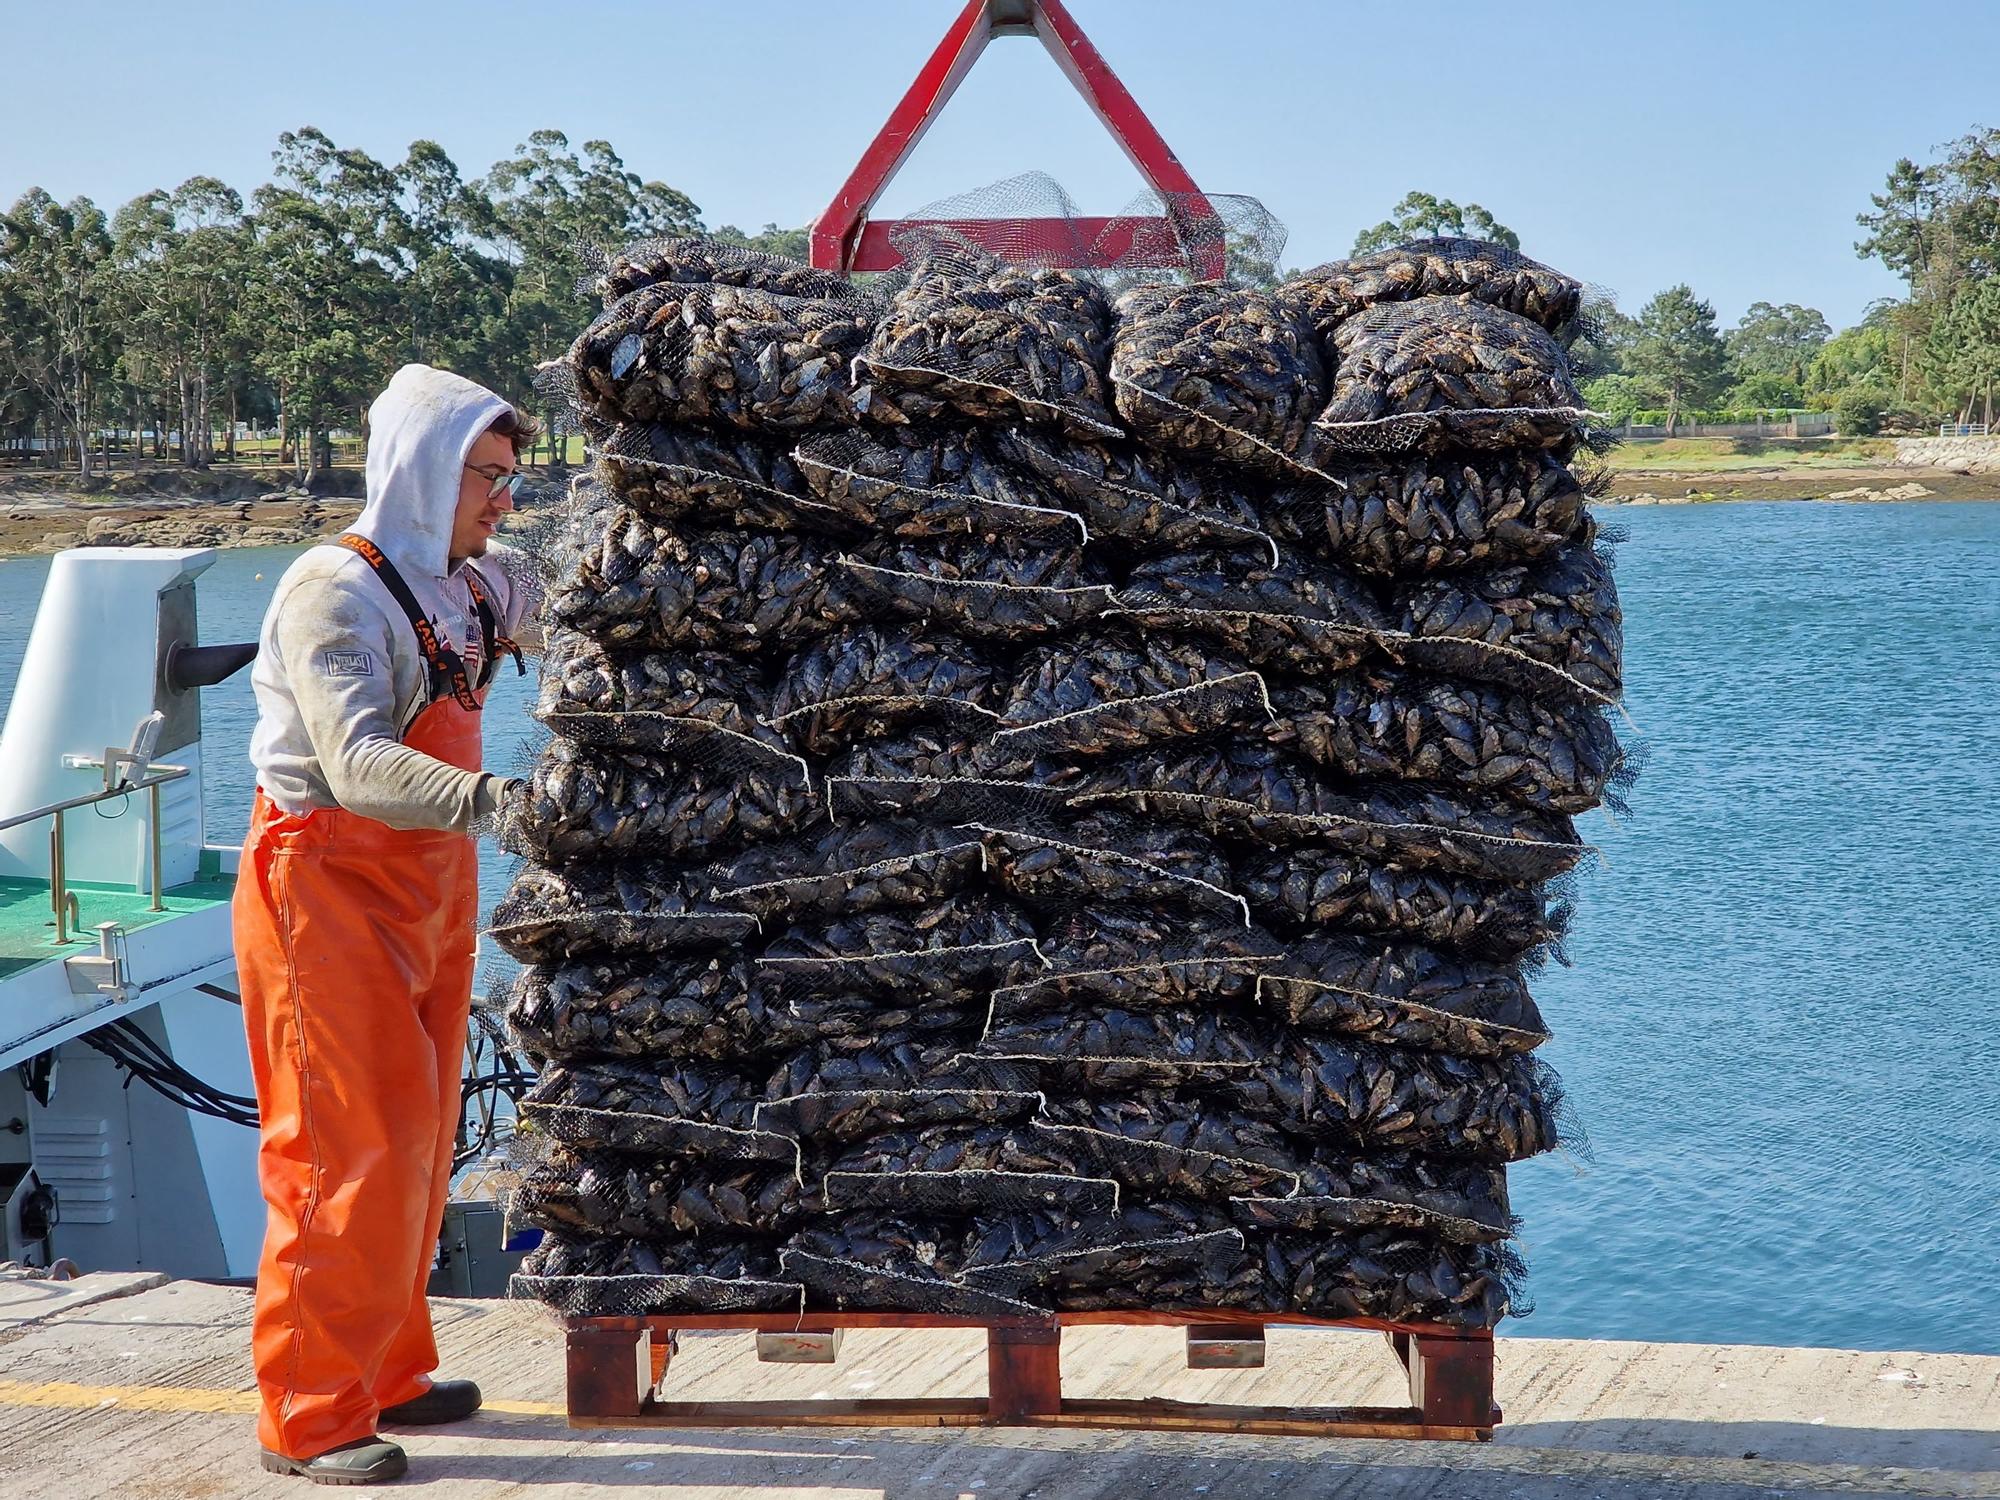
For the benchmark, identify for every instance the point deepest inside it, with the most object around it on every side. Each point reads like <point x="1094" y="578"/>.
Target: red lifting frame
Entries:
<point x="845" y="239"/>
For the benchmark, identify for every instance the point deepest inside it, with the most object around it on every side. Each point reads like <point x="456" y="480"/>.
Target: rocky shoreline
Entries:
<point x="279" y="522"/>
<point x="42" y="512"/>
<point x="1908" y="490"/>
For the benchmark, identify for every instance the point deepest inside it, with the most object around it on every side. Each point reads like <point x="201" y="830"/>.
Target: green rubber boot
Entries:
<point x="369" y="1460"/>
<point x="445" y="1401"/>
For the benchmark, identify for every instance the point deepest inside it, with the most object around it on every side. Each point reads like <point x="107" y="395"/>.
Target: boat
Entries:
<point x="115" y="961"/>
<point x="128" y="1119"/>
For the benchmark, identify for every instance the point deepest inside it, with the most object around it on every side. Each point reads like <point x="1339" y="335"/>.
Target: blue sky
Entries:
<point x="1729" y="146"/>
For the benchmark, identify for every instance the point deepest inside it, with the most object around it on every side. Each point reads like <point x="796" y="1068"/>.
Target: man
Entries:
<point x="354" y="917"/>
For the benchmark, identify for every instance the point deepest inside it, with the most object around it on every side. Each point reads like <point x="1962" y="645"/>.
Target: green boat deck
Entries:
<point x="27" y="921"/>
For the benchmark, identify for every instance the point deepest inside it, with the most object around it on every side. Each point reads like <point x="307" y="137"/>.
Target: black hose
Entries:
<point x="128" y="1046"/>
<point x="144" y="1059"/>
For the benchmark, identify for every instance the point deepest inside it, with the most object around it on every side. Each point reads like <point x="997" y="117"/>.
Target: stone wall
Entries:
<point x="1956" y="455"/>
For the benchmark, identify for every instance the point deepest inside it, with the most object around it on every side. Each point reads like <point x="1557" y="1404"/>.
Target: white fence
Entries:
<point x="1800" y="424"/>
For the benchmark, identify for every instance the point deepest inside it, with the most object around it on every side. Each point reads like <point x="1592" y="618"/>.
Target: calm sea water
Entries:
<point x="1779" y="1031"/>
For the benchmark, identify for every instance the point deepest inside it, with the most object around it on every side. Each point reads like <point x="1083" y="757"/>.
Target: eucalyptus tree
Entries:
<point x="181" y="264"/>
<point x="551" y="206"/>
<point x="57" y="278"/>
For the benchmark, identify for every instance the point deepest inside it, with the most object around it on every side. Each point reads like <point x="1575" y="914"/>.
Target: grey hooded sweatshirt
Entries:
<point x="339" y="676"/>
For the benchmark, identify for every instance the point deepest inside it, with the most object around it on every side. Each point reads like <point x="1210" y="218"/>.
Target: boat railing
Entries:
<point x="60" y="897"/>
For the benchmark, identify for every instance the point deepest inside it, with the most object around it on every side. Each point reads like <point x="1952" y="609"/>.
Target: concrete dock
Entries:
<point x="146" y="1393"/>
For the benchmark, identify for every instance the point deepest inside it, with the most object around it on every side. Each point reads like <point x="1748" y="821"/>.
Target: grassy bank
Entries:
<point x="1735" y="455"/>
<point x="1700" y="470"/>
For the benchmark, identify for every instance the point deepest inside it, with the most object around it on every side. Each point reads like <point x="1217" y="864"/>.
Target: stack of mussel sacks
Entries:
<point x="1055" y="794"/>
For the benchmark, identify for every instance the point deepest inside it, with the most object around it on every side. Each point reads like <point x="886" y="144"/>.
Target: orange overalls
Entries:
<point x="354" y="950"/>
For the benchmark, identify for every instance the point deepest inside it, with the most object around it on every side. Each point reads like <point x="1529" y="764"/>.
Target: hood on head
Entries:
<point x="420" y="430"/>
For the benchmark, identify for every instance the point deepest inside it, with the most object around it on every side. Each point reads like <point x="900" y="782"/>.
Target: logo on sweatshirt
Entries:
<point x="349" y="664"/>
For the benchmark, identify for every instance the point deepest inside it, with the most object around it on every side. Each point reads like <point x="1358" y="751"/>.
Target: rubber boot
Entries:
<point x="445" y="1401"/>
<point x="369" y="1460"/>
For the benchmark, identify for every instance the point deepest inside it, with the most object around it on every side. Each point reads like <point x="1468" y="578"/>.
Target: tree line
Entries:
<point x="190" y="311"/>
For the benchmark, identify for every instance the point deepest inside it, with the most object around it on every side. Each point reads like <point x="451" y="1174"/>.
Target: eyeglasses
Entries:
<point x="509" y="480"/>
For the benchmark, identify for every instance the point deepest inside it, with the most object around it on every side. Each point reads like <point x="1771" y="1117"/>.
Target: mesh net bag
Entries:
<point x="614" y="1105"/>
<point x="1161" y="1256"/>
<point x="1376" y="1205"/>
<point x="1153" y="1167"/>
<point x="965" y="1190"/>
<point x="843" y="1116"/>
<point x="1114" y="695"/>
<point x="597" y="909"/>
<point x="1551" y="627"/>
<point x="957" y="948"/>
<point x="961" y="1166"/>
<point x="939" y="772"/>
<point x="678" y="739"/>
<point x="1459" y="1200"/>
<point x="1299" y="889"/>
<point x="1425" y="513"/>
<point x="1253" y="791"/>
<point x="722" y="356"/>
<point x="1441" y="267"/>
<point x="1125" y="1270"/>
<point x="1132" y="1076"/>
<point x="930" y="481"/>
<point x="887" y="1058"/>
<point x="687" y="1008"/>
<point x="1448" y="370"/>
<point x="1181" y="1113"/>
<point x="656" y="1198"/>
<point x="1007" y="588"/>
<point x="801" y="1017"/>
<point x="956" y="1247"/>
<point x="1127" y="957"/>
<point x="1406" y="995"/>
<point x="1106" y="858"/>
<point x="1312" y="1183"/>
<point x="682" y="474"/>
<point x="581" y="676"/>
<point x="1304" y="619"/>
<point x="1185" y="238"/>
<point x="590" y="803"/>
<point x="1488" y="740"/>
<point x="600" y="1277"/>
<point x="1387" y="1273"/>
<point x="991" y="338"/>
<point x="1134" y="500"/>
<point x="1363" y="1096"/>
<point x="1218" y="372"/>
<point x="634" y="582"/>
<point x="697" y="259"/>
<point x="852" y="1272"/>
<point x="847" y="869"/>
<point x="862" y="682"/>
<point x="1193" y="1039"/>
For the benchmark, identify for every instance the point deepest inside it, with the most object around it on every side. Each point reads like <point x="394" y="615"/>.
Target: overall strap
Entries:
<point x="489" y="632"/>
<point x="447" y="667"/>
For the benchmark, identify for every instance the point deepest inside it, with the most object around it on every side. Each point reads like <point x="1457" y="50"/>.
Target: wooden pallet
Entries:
<point x="616" y="1365"/>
